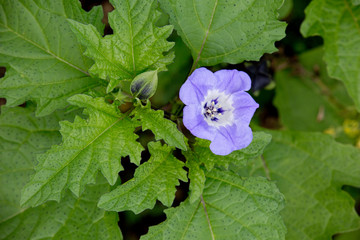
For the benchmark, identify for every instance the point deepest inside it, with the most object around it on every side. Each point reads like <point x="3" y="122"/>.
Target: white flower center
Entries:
<point x="217" y="108"/>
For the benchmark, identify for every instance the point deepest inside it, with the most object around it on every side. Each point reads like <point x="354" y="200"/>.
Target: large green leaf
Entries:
<point x="338" y="23"/>
<point x="202" y="156"/>
<point x="43" y="60"/>
<point x="226" y="30"/>
<point x="310" y="169"/>
<point x="231" y="207"/>
<point x="155" y="179"/>
<point x="160" y="126"/>
<point x="88" y="146"/>
<point x="307" y="99"/>
<point x="136" y="46"/>
<point x="22" y="137"/>
<point x="239" y="157"/>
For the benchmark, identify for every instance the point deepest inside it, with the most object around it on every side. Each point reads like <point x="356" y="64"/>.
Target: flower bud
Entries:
<point x="144" y="85"/>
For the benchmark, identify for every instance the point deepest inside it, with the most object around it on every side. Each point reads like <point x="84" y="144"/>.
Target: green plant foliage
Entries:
<point x="22" y="137"/>
<point x="309" y="99"/>
<point x="337" y="22"/>
<point x="231" y="207"/>
<point x="43" y="61"/>
<point x="301" y="104"/>
<point x="310" y="169"/>
<point x="203" y="156"/>
<point x="168" y="88"/>
<point x="160" y="126"/>
<point x="136" y="46"/>
<point x="230" y="31"/>
<point x="196" y="175"/>
<point x="355" y="2"/>
<point x="239" y="158"/>
<point x="88" y="146"/>
<point x="155" y="179"/>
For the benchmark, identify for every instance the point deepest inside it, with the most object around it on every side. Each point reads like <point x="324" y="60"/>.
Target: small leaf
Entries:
<point x="155" y="179"/>
<point x="88" y="146"/>
<point x="196" y="176"/>
<point x="239" y="158"/>
<point x="230" y="208"/>
<point x="136" y="46"/>
<point x="160" y="126"/>
<point x="22" y="137"/>
<point x="47" y="68"/>
<point x="229" y="31"/>
<point x="310" y="169"/>
<point x="338" y="24"/>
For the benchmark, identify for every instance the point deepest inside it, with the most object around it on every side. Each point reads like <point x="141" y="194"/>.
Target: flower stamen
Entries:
<point x="214" y="110"/>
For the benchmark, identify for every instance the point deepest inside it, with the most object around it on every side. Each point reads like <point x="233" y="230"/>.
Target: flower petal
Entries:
<point x="232" y="81"/>
<point x="231" y="138"/>
<point x="196" y="86"/>
<point x="194" y="121"/>
<point x="244" y="107"/>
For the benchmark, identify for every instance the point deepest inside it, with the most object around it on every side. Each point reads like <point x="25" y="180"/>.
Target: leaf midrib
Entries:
<point x="45" y="50"/>
<point x="348" y="8"/>
<point x="72" y="159"/>
<point x="206" y="36"/>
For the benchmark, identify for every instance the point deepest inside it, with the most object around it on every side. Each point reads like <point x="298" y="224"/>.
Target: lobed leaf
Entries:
<point x="88" y="146"/>
<point x="309" y="100"/>
<point x="155" y="179"/>
<point x="337" y="22"/>
<point x="160" y="126"/>
<point x="196" y="175"/>
<point x="44" y="62"/>
<point x="229" y="31"/>
<point x="136" y="46"/>
<point x="310" y="169"/>
<point x="231" y="207"/>
<point x="233" y="162"/>
<point x="22" y="137"/>
<point x="239" y="157"/>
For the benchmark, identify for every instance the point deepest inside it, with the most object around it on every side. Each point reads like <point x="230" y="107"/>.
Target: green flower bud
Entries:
<point x="144" y="85"/>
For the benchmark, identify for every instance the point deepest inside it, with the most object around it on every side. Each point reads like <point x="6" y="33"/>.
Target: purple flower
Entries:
<point x="218" y="108"/>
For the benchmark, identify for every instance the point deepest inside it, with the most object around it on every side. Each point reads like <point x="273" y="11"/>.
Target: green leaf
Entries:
<point x="309" y="100"/>
<point x="22" y="137"/>
<point x="230" y="208"/>
<point x="136" y="46"/>
<point x="88" y="146"/>
<point x="238" y="158"/>
<point x="43" y="60"/>
<point x="310" y="169"/>
<point x="355" y="2"/>
<point x="306" y="104"/>
<point x="196" y="175"/>
<point x="337" y="22"/>
<point x="155" y="179"/>
<point x="160" y="126"/>
<point x="233" y="162"/>
<point x="230" y="31"/>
